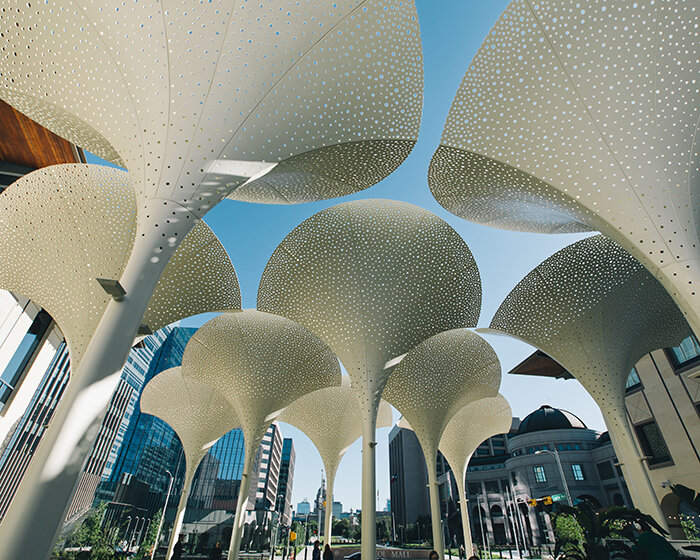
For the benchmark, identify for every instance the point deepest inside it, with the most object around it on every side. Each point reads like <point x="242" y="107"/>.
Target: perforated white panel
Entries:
<point x="470" y="426"/>
<point x="584" y="115"/>
<point x="373" y="278"/>
<point x="332" y="419"/>
<point x="199" y="278"/>
<point x="176" y="91"/>
<point x="261" y="363"/>
<point x="61" y="227"/>
<point x="595" y="310"/>
<point x="198" y="413"/>
<point x="439" y="377"/>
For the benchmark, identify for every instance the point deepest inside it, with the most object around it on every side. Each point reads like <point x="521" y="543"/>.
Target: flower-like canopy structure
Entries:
<point x="197" y="101"/>
<point x="63" y="228"/>
<point x="332" y="420"/>
<point x="585" y="117"/>
<point x="261" y="363"/>
<point x="596" y="310"/>
<point x="264" y="102"/>
<point x="432" y="383"/>
<point x="198" y="414"/>
<point x="467" y="429"/>
<point x="372" y="278"/>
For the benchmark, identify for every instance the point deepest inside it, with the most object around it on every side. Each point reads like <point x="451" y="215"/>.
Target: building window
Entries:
<point x="633" y="381"/>
<point x="686" y="353"/>
<point x="474" y="488"/>
<point x="492" y="487"/>
<point x="14" y="370"/>
<point x="540" y="476"/>
<point x="578" y="472"/>
<point x="652" y="443"/>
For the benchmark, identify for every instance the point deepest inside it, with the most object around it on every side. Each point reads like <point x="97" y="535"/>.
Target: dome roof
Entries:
<point x="548" y="418"/>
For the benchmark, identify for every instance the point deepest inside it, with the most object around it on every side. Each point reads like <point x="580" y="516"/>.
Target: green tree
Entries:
<point x="690" y="529"/>
<point x="91" y="533"/>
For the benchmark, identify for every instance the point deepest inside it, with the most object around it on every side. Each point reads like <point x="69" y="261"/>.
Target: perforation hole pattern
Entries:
<point x="596" y="310"/>
<point x="199" y="278"/>
<point x="261" y="363"/>
<point x="332" y="420"/>
<point x="578" y="115"/>
<point x="170" y="89"/>
<point x="62" y="227"/>
<point x="470" y="426"/>
<point x="438" y="377"/>
<point x="198" y="413"/>
<point x="372" y="278"/>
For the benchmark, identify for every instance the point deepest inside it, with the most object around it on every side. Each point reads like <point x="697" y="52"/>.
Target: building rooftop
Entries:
<point x="548" y="418"/>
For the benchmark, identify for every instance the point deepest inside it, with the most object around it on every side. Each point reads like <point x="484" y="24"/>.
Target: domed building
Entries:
<point x="502" y="479"/>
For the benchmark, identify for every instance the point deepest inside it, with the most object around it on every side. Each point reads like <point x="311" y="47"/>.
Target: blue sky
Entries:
<point x="451" y="31"/>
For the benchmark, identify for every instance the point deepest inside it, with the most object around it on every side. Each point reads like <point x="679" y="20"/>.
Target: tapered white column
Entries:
<point x="369" y="487"/>
<point x="241" y="505"/>
<point x="180" y="513"/>
<point x="464" y="510"/>
<point x="631" y="461"/>
<point x="435" y="514"/>
<point x="328" y="522"/>
<point x="36" y="514"/>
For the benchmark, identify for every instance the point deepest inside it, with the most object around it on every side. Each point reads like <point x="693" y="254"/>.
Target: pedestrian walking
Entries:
<point x="177" y="549"/>
<point x="433" y="555"/>
<point x="316" y="554"/>
<point x="462" y="552"/>
<point x="327" y="552"/>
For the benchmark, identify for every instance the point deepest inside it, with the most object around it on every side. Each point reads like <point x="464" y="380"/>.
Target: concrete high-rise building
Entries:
<point x="270" y="461"/>
<point x="121" y="410"/>
<point x="286" y="480"/>
<point x="408" y="476"/>
<point x="337" y="510"/>
<point x="663" y="405"/>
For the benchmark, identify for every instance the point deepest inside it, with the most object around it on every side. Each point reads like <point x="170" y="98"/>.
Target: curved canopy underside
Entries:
<point x="198" y="413"/>
<point x="261" y="363"/>
<point x="332" y="420"/>
<point x="373" y="278"/>
<point x="470" y="426"/>
<point x="577" y="117"/>
<point x="439" y="377"/>
<point x="195" y="102"/>
<point x="594" y="309"/>
<point x="91" y="209"/>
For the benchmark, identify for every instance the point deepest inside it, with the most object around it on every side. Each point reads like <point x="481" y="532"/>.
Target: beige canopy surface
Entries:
<point x="596" y="310"/>
<point x="198" y="413"/>
<point x="578" y="116"/>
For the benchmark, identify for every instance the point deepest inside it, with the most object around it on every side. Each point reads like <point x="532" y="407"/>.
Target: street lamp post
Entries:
<point x="162" y="517"/>
<point x="561" y="472"/>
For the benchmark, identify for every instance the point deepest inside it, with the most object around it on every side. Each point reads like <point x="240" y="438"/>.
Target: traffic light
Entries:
<point x="532" y="503"/>
<point x="547" y="500"/>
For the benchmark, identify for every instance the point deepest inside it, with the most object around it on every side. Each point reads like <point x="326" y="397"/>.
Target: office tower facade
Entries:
<point x="122" y="409"/>
<point x="303" y="507"/>
<point x="408" y="476"/>
<point x="286" y="481"/>
<point x="43" y="384"/>
<point x="269" y="463"/>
